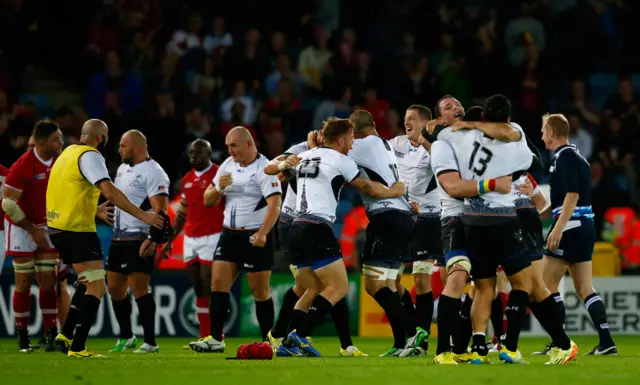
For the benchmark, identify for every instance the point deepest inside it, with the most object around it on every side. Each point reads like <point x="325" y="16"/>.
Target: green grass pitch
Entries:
<point x="182" y="367"/>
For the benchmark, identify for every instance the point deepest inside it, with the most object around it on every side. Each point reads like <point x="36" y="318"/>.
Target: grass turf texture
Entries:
<point x="181" y="367"/>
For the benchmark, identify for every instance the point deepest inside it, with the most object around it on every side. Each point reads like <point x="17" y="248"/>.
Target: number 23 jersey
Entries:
<point x="320" y="176"/>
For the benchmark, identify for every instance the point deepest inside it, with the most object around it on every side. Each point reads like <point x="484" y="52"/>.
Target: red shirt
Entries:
<point x="30" y="175"/>
<point x="378" y="111"/>
<point x="3" y="175"/>
<point x="201" y="220"/>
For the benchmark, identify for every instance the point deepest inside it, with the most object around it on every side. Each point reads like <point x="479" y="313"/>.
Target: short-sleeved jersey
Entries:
<point x="414" y="166"/>
<point x="523" y="201"/>
<point x="570" y="173"/>
<point x="376" y="158"/>
<point x="319" y="179"/>
<point x="201" y="220"/>
<point x="443" y="160"/>
<point x="483" y="158"/>
<point x="3" y="176"/>
<point x="30" y="175"/>
<point x="246" y="198"/>
<point x="288" y="211"/>
<point x="139" y="183"/>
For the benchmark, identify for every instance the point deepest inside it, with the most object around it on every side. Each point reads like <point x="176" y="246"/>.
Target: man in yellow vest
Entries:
<point x="77" y="179"/>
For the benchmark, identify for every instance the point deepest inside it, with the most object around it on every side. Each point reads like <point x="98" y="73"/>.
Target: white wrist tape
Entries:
<point x="282" y="165"/>
<point x="220" y="190"/>
<point x="10" y="206"/>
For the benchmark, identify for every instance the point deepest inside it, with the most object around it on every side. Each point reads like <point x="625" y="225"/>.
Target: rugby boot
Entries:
<point x="24" y="345"/>
<point x="62" y="343"/>
<point x="445" y="358"/>
<point x="122" y="345"/>
<point x="50" y="345"/>
<point x="352" y="351"/>
<point x="603" y="351"/>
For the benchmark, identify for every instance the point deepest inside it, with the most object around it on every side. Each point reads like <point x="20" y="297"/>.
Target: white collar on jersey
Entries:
<point x="45" y="162"/>
<point x="200" y="173"/>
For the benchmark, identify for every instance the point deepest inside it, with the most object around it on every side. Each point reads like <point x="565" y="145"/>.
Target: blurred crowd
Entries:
<point x="184" y="70"/>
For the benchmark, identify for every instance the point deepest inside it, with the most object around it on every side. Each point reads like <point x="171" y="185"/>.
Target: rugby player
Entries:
<point x="27" y="241"/>
<point x="131" y="254"/>
<point x="77" y="179"/>
<point x="3" y="175"/>
<point x="414" y="167"/>
<point x="570" y="242"/>
<point x="491" y="225"/>
<point x="202" y="227"/>
<point x="297" y="300"/>
<point x="251" y="208"/>
<point x="314" y="248"/>
<point x="387" y="236"/>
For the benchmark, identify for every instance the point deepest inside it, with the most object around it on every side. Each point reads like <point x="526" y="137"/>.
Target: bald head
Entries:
<point x="241" y="146"/>
<point x="95" y="133"/>
<point x="133" y="147"/>
<point x="200" y="154"/>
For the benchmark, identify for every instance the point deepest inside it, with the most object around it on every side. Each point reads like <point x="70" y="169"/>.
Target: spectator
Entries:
<point x="101" y="37"/>
<point x="143" y="15"/>
<point x="166" y="79"/>
<point x="237" y="114"/>
<point x="206" y="82"/>
<point x="283" y="70"/>
<point x="282" y="105"/>
<point x="68" y="125"/>
<point x="238" y="95"/>
<point x="337" y="106"/>
<point x="277" y="48"/>
<point x="247" y="62"/>
<point x="378" y="109"/>
<point x="578" y="136"/>
<point x="423" y="82"/>
<point x="408" y="54"/>
<point x="363" y="75"/>
<point x="186" y="39"/>
<point x="313" y="60"/>
<point x="450" y="68"/>
<point x="219" y="40"/>
<point x="114" y="91"/>
<point x="522" y="31"/>
<point x="139" y="55"/>
<point x="532" y="98"/>
<point x="394" y="122"/>
<point x="622" y="104"/>
<point x="587" y="110"/>
<point x="614" y="149"/>
<point x="347" y="47"/>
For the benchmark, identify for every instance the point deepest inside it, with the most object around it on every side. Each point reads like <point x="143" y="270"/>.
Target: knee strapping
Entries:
<point x="423" y="267"/>
<point x="92" y="275"/>
<point x="24" y="267"/>
<point x="460" y="260"/>
<point x="378" y="273"/>
<point x="46" y="265"/>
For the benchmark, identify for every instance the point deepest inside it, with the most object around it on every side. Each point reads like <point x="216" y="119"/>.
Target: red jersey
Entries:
<point x="30" y="174"/>
<point x="3" y="175"/>
<point x="201" y="220"/>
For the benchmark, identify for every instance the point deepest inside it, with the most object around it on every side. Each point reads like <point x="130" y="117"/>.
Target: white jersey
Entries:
<point x="523" y="201"/>
<point x="483" y="158"/>
<point x="246" y="198"/>
<point x="443" y="160"/>
<point x="319" y="180"/>
<point x="139" y="183"/>
<point x="376" y="158"/>
<point x="414" y="166"/>
<point x="289" y="204"/>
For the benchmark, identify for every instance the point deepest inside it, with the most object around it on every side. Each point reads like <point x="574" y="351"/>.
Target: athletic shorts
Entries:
<point x="497" y="245"/>
<point x="577" y="242"/>
<point x="454" y="241"/>
<point x="76" y="247"/>
<point x="234" y="246"/>
<point x="200" y="249"/>
<point x="532" y="232"/>
<point x="283" y="238"/>
<point x="388" y="237"/>
<point x="124" y="257"/>
<point x="312" y="244"/>
<point x="426" y="243"/>
<point x="19" y="243"/>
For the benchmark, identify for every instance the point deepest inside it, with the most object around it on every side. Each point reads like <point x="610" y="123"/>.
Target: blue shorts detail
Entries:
<point x="453" y="253"/>
<point x="315" y="265"/>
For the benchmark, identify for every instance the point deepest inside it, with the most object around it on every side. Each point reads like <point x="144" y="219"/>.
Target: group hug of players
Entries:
<point x="455" y="191"/>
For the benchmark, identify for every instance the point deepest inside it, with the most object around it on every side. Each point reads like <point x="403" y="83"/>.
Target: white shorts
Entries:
<point x="1" y="250"/>
<point x="200" y="249"/>
<point x="19" y="243"/>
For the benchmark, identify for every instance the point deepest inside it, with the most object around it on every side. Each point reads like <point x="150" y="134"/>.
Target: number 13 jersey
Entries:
<point x="319" y="178"/>
<point x="377" y="159"/>
<point x="482" y="158"/>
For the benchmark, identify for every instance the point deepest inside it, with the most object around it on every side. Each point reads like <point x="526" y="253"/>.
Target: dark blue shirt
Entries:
<point x="570" y="173"/>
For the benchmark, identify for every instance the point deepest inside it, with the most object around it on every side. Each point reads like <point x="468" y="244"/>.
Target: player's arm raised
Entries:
<point x="500" y="131"/>
<point x="281" y="163"/>
<point x="459" y="188"/>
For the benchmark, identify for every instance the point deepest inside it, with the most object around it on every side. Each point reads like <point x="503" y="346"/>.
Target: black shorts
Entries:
<point x="124" y="258"/>
<point x="427" y="239"/>
<point x="283" y="238"/>
<point x="532" y="232"/>
<point x="76" y="247"/>
<point x="577" y="242"/>
<point x="454" y="241"/>
<point x="493" y="246"/>
<point x="234" y="246"/>
<point x="388" y="237"/>
<point x="312" y="243"/>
